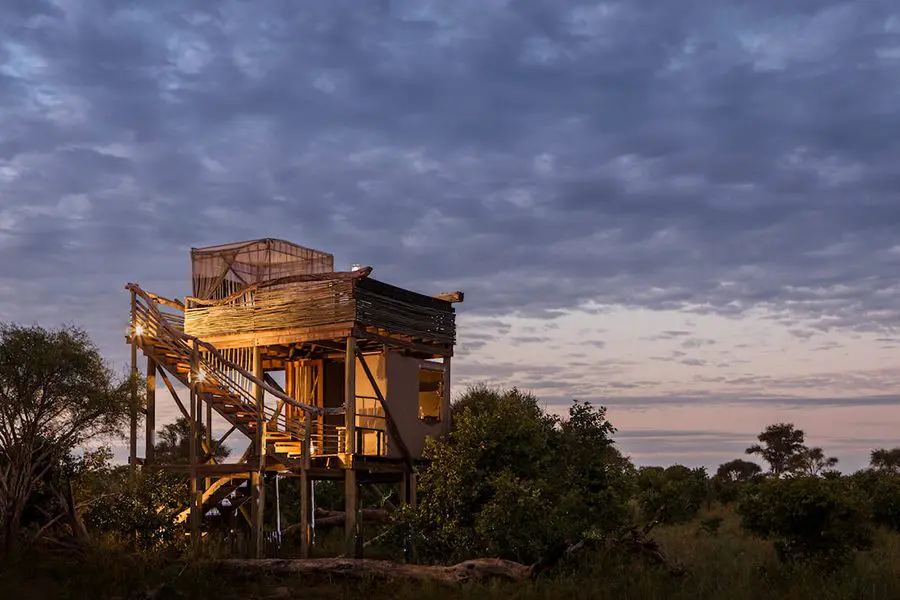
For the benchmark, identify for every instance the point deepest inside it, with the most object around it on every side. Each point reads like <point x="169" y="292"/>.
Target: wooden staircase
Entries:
<point x="160" y="335"/>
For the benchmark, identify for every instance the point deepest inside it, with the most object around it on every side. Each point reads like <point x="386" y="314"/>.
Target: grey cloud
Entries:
<point x="730" y="158"/>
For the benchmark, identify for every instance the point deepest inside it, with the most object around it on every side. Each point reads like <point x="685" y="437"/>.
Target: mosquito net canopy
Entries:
<point x="219" y="271"/>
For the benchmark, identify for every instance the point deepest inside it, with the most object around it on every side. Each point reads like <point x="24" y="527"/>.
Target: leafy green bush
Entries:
<point x="811" y="519"/>
<point x="881" y="488"/>
<point x="514" y="481"/>
<point x="671" y="495"/>
<point x="141" y="512"/>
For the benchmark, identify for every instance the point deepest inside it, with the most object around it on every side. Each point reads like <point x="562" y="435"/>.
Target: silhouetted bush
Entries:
<point x="811" y="519"/>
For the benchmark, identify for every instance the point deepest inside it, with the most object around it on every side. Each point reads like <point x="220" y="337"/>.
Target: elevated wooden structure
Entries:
<point x="365" y="366"/>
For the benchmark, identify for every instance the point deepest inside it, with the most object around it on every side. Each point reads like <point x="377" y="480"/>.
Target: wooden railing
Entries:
<point x="216" y="372"/>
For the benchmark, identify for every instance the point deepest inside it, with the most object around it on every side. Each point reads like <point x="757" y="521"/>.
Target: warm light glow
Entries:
<point x="138" y="330"/>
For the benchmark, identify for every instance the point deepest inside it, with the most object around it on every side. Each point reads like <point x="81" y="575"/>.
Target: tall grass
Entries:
<point x="721" y="564"/>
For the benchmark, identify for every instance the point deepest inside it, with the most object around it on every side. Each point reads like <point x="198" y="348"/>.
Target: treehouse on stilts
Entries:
<point x="365" y="368"/>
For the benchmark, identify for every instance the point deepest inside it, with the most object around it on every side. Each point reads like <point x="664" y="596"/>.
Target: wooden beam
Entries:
<point x="172" y="391"/>
<point x="452" y="297"/>
<point x="281" y="336"/>
<point x="394" y="342"/>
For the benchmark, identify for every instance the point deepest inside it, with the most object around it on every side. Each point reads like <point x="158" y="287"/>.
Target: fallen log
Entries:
<point x="471" y="571"/>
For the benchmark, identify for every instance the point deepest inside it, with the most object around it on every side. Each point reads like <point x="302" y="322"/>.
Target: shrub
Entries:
<point x="811" y="520"/>
<point x="512" y="481"/>
<point x="672" y="495"/>
<point x="882" y="490"/>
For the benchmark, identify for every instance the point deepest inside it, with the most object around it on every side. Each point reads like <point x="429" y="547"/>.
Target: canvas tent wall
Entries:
<point x="220" y="271"/>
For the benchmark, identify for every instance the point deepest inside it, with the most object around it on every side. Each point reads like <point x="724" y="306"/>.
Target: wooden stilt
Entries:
<point x="351" y="511"/>
<point x="132" y="440"/>
<point x="445" y="404"/>
<point x="404" y="489"/>
<point x="258" y="481"/>
<point x="150" y="419"/>
<point x="305" y="512"/>
<point x="195" y="515"/>
<point x="351" y="491"/>
<point x="210" y="443"/>
<point x="413" y="502"/>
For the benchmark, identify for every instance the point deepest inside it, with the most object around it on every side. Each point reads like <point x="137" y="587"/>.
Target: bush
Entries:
<point x="141" y="512"/>
<point x="672" y="495"/>
<point x="812" y="520"/>
<point x="513" y="481"/>
<point x="882" y="490"/>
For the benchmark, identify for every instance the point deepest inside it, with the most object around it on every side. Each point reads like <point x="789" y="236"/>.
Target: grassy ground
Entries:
<point x="726" y="564"/>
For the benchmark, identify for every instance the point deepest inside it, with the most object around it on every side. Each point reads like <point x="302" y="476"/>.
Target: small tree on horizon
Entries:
<point x="738" y="471"/>
<point x="886" y="461"/>
<point x="781" y="445"/>
<point x="812" y="461"/>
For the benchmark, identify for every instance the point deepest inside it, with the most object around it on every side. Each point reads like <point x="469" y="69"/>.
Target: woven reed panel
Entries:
<point x="404" y="312"/>
<point x="298" y="304"/>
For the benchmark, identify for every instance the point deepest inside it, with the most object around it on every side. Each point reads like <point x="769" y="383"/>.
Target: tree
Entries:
<point x="731" y="478"/>
<point x="812" y="461"/>
<point x="886" y="461"/>
<point x="513" y="481"/>
<point x="56" y="394"/>
<point x="738" y="471"/>
<point x="174" y="446"/>
<point x="781" y="447"/>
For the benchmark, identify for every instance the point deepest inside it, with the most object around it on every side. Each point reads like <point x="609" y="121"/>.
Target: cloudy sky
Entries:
<point x="686" y="211"/>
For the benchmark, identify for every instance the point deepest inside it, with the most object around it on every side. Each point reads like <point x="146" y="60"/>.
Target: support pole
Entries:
<point x="351" y="509"/>
<point x="210" y="444"/>
<point x="305" y="533"/>
<point x="351" y="490"/>
<point x="195" y="492"/>
<point x="150" y="420"/>
<point x="132" y="440"/>
<point x="258" y="481"/>
<point x="445" y="401"/>
<point x="350" y="398"/>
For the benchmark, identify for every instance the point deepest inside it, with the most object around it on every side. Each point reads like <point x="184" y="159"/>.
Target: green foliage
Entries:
<point x="671" y="495"/>
<point x="738" y="471"/>
<point x="731" y="477"/>
<point x="140" y="511"/>
<point x="882" y="491"/>
<point x="711" y="525"/>
<point x="812" y="461"/>
<point x="811" y="519"/>
<point x="780" y="445"/>
<point x="56" y="394"/>
<point x="887" y="461"/>
<point x="512" y="481"/>
<point x="174" y="445"/>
